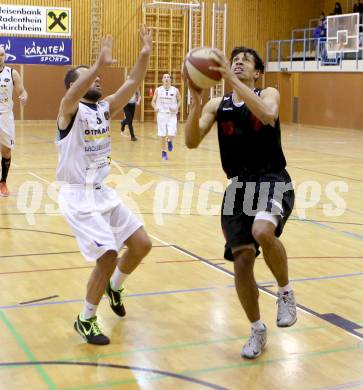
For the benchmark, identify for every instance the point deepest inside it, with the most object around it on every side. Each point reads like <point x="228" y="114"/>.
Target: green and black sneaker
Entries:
<point x="90" y="331"/>
<point x="115" y="298"/>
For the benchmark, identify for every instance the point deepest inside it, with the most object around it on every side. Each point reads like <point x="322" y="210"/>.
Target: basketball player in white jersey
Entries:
<point x="99" y="219"/>
<point x="9" y="81"/>
<point x="166" y="102"/>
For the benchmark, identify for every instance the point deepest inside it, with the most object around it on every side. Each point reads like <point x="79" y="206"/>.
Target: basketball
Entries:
<point x="196" y="67"/>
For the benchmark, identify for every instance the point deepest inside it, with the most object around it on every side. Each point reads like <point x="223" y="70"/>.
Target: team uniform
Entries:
<point x="167" y="105"/>
<point x="7" y="124"/>
<point x="99" y="219"/>
<point x="253" y="159"/>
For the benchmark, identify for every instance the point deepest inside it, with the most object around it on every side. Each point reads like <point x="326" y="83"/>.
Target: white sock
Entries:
<point x="258" y="325"/>
<point x="284" y="289"/>
<point x="117" y="279"/>
<point x="89" y="310"/>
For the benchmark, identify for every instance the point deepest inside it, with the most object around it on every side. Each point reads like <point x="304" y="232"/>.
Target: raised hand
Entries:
<point x="105" y="56"/>
<point x="147" y="39"/>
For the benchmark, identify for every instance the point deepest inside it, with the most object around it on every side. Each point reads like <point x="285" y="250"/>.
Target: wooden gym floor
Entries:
<point x="185" y="327"/>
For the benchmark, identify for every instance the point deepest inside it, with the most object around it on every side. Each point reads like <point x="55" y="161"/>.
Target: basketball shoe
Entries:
<point x="115" y="298"/>
<point x="255" y="344"/>
<point x="90" y="331"/>
<point x="286" y="309"/>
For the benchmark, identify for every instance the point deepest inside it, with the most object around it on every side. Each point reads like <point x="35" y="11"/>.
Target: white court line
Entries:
<point x="38" y="177"/>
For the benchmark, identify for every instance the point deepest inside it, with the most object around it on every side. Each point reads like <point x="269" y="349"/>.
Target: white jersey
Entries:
<point x="6" y="90"/>
<point x="166" y="100"/>
<point x="85" y="152"/>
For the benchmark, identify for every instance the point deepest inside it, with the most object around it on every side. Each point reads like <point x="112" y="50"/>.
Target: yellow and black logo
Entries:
<point x="57" y="21"/>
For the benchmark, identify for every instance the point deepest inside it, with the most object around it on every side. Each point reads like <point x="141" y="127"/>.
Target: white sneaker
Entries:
<point x="286" y="309"/>
<point x="255" y="344"/>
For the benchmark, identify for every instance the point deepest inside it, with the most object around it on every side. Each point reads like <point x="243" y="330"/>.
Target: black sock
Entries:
<point x="5" y="166"/>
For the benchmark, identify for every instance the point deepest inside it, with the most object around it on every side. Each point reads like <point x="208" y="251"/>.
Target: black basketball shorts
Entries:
<point x="245" y="197"/>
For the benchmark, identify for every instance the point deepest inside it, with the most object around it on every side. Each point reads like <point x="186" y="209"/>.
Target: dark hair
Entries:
<point x="338" y="8"/>
<point x="72" y="75"/>
<point x="259" y="65"/>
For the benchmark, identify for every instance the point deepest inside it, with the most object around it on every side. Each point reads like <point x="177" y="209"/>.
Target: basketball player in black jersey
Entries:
<point x="260" y="198"/>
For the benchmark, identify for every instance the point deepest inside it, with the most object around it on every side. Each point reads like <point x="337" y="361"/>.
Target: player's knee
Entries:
<point x="145" y="246"/>
<point x="142" y="247"/>
<point x="108" y="261"/>
<point x="263" y="234"/>
<point x="244" y="261"/>
<point x="5" y="152"/>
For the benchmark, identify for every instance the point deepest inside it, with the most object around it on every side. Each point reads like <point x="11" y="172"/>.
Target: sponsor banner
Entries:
<point x="41" y="51"/>
<point x="32" y="20"/>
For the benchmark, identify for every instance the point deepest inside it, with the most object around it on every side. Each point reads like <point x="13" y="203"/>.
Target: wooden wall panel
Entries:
<point x="122" y="19"/>
<point x="45" y="87"/>
<point x="331" y="99"/>
<point x="277" y="18"/>
<point x="49" y="80"/>
<point x="330" y="4"/>
<point x="284" y="83"/>
<point x="325" y="99"/>
<point x="254" y="22"/>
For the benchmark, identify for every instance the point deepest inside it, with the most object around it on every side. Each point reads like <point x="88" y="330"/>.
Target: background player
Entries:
<point x="9" y="81"/>
<point x="166" y="102"/>
<point x="129" y="111"/>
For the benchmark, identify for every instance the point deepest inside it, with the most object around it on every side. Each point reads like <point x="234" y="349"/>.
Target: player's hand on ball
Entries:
<point x="105" y="56"/>
<point x="223" y="66"/>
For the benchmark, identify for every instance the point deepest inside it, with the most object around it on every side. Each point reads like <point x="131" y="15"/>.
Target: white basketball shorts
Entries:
<point x="7" y="129"/>
<point x="166" y="124"/>
<point x="98" y="218"/>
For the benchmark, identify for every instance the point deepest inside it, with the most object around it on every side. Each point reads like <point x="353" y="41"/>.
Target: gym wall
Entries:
<point x="250" y="22"/>
<point x="324" y="99"/>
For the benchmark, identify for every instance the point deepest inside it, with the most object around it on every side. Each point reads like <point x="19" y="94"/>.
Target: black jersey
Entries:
<point x="247" y="146"/>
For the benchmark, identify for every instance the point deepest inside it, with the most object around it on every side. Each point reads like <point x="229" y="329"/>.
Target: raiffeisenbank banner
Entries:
<point x="33" y="20"/>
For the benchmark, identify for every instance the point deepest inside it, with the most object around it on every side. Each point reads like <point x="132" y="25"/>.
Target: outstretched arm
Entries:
<point x="78" y="89"/>
<point x="19" y="88"/>
<point x="265" y="107"/>
<point x="120" y="98"/>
